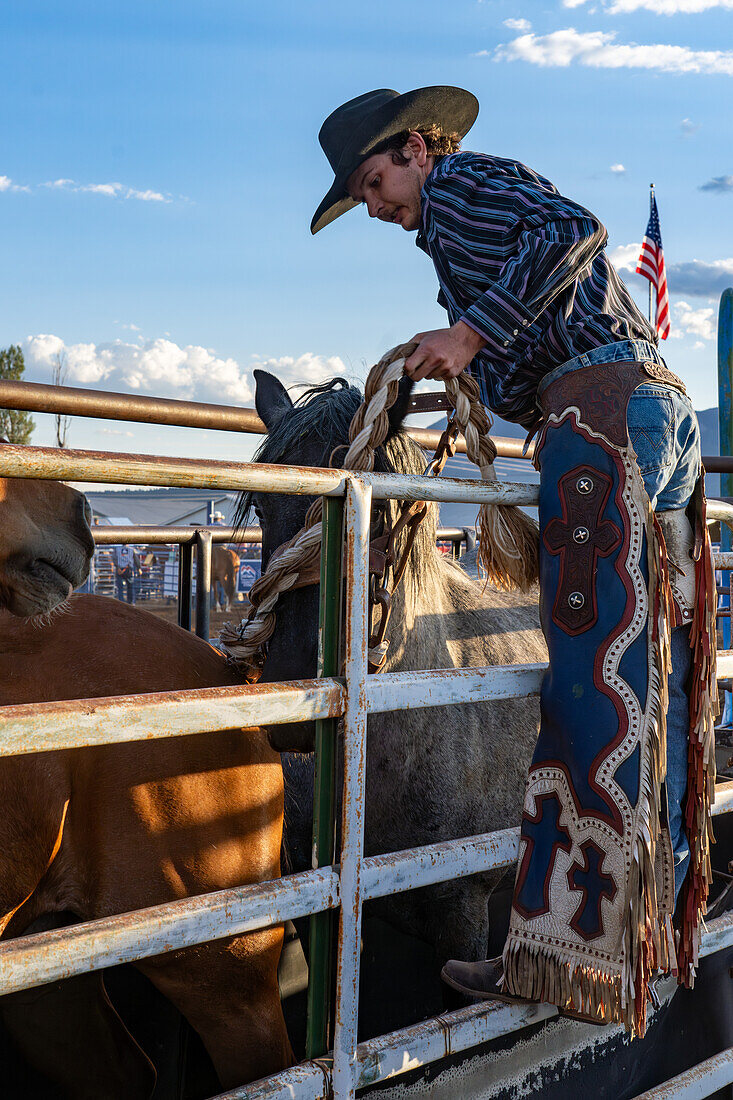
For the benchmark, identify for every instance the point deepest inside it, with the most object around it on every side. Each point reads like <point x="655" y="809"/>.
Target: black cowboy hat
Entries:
<point x="354" y="130"/>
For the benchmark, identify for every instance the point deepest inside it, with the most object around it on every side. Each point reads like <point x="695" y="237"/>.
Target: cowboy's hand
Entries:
<point x="444" y="352"/>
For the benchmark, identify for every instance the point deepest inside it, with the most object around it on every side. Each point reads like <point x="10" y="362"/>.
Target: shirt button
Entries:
<point x="516" y="332"/>
<point x="525" y="323"/>
<point x="506" y="343"/>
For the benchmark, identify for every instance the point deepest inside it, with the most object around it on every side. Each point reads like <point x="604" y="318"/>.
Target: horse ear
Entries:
<point x="271" y="398"/>
<point x="398" y="412"/>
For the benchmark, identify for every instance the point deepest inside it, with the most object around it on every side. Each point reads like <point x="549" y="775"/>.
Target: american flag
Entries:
<point x="651" y="266"/>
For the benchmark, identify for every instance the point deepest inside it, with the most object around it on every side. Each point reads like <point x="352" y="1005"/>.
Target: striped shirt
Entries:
<point x="527" y="269"/>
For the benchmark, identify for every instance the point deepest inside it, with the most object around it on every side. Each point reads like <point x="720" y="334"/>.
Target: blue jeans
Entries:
<point x="664" y="432"/>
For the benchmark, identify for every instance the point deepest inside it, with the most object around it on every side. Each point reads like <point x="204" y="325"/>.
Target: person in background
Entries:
<point x="126" y="570"/>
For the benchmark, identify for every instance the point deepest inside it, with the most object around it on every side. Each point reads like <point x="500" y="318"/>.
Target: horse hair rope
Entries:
<point x="508" y="541"/>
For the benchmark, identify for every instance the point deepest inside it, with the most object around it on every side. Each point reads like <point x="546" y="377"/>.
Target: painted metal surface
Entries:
<point x="321" y="930"/>
<point x="720" y="509"/>
<point x="725" y="404"/>
<point x="105" y="466"/>
<point x="203" y="583"/>
<point x="414" y="867"/>
<point x="36" y="960"/>
<point x="725" y="426"/>
<point x="700" y="1081"/>
<point x="356" y="568"/>
<point x="170" y="536"/>
<point x="38" y="397"/>
<point x="43" y="958"/>
<point x="725" y="664"/>
<point x="185" y="581"/>
<point x="443" y="687"/>
<point x="39" y="727"/>
<point x="389" y="1056"/>
<point x="47" y="956"/>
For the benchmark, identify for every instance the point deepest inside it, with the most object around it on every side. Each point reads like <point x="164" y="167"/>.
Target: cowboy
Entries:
<point x="542" y="321"/>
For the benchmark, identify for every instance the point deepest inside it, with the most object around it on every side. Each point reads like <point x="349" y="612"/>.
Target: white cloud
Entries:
<point x="113" y="431"/>
<point x="111" y="190"/>
<point x="699" y="278"/>
<point x="164" y="369"/>
<point x="147" y="196"/>
<point x="659" y="7"/>
<point x="694" y="322"/>
<point x="518" y="24"/>
<point x="599" y="50"/>
<point x="688" y="127"/>
<point x="625" y="256"/>
<point x="6" y="184"/>
<point x="668" y="7"/>
<point x="305" y="370"/>
<point x="618" y="169"/>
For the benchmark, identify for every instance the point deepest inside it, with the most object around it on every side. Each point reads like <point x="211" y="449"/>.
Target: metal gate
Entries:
<point x="48" y="956"/>
<point x="345" y="886"/>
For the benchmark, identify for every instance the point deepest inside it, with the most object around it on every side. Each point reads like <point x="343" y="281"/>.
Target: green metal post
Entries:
<point x="320" y="965"/>
<point x="725" y="422"/>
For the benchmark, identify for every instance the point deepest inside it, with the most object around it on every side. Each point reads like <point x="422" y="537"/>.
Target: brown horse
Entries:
<point x="45" y="543"/>
<point x="135" y="825"/>
<point x="224" y="570"/>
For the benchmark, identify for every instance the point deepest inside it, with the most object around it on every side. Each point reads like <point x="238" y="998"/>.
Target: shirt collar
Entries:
<point x="422" y="234"/>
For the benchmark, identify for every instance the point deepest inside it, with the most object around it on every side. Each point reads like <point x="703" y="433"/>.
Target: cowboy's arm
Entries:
<point x="551" y="240"/>
<point x="557" y="239"/>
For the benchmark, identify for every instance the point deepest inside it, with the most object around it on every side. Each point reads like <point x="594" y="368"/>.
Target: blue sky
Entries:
<point x="159" y="168"/>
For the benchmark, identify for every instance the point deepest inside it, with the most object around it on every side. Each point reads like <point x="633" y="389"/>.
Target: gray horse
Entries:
<point x="432" y="774"/>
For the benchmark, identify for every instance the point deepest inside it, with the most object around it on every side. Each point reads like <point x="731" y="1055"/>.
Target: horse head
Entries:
<point x="313" y="431"/>
<point x="46" y="544"/>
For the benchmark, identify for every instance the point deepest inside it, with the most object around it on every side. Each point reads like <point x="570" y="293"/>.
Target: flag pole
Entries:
<point x="651" y="288"/>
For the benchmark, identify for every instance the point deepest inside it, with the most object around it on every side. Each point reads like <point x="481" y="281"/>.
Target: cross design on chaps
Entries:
<point x="589" y="877"/>
<point x="544" y="837"/>
<point x="580" y="537"/>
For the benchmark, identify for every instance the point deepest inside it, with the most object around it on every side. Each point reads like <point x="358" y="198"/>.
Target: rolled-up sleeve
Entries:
<point x="545" y="242"/>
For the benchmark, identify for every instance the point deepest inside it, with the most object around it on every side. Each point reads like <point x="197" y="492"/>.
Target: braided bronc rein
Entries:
<point x="507" y="538"/>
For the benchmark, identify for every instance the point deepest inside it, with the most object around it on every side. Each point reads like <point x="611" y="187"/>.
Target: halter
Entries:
<point x="508" y="539"/>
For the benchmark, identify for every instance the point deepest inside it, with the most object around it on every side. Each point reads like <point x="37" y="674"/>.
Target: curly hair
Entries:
<point x="439" y="144"/>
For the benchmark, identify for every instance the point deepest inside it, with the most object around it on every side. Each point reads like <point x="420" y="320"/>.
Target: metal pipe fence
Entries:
<point x="343" y="886"/>
<point x="76" y="401"/>
<point x="73" y="401"/>
<point x="187" y="539"/>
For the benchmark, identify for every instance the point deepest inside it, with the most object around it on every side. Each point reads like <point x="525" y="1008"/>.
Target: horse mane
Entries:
<point x="323" y="414"/>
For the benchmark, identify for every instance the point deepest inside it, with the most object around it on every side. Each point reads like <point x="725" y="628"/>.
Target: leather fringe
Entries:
<point x="619" y="995"/>
<point x="701" y="759"/>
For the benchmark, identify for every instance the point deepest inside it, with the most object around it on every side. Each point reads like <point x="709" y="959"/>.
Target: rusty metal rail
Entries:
<point x="103" y="405"/>
<point x="702" y="1080"/>
<point x="35" y="960"/>
<point x="37" y="397"/>
<point x="114" y="535"/>
<point x="129" y="469"/>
